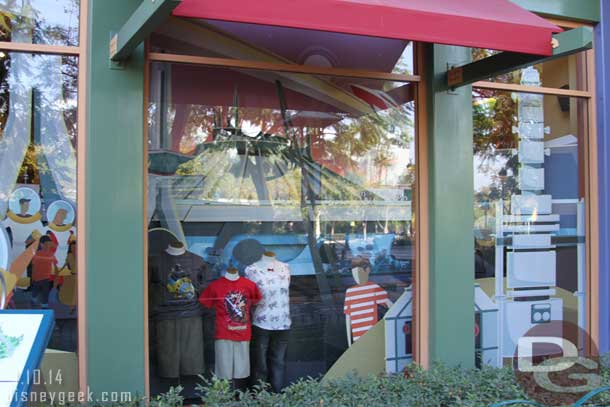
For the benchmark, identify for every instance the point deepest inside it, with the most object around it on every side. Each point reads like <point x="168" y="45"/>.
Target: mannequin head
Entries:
<point x="175" y="248"/>
<point x="232" y="274"/>
<point x="361" y="274"/>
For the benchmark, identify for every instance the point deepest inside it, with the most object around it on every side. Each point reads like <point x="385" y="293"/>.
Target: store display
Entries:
<point x="316" y="199"/>
<point x="5" y="246"/>
<point x="68" y="290"/>
<point x="23" y="218"/>
<point x="531" y="179"/>
<point x="361" y="303"/>
<point x="44" y="269"/>
<point x="232" y="297"/>
<point x="60" y="218"/>
<point x="178" y="277"/>
<point x="272" y="277"/>
<point x="527" y="238"/>
<point x="271" y="319"/>
<point x="531" y="152"/>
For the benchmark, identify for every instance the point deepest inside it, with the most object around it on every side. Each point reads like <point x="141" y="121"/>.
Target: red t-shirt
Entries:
<point x="232" y="300"/>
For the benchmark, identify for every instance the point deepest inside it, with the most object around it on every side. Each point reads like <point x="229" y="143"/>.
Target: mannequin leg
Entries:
<point x="191" y="346"/>
<point x="168" y="349"/>
<point x="261" y="349"/>
<point x="278" y="347"/>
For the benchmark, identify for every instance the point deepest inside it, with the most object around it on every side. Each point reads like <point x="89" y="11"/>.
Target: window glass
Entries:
<point x="304" y="185"/>
<point x="38" y="128"/>
<point x="224" y="39"/>
<point x="51" y="22"/>
<point x="529" y="216"/>
<point x="562" y="73"/>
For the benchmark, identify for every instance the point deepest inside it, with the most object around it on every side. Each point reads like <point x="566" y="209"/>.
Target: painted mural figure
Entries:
<point x="361" y="303"/>
<point x="23" y="218"/>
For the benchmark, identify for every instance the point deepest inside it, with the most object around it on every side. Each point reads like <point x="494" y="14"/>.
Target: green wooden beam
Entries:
<point x="569" y="42"/>
<point x="575" y="10"/>
<point x="450" y="211"/>
<point x="140" y="24"/>
<point x="114" y="209"/>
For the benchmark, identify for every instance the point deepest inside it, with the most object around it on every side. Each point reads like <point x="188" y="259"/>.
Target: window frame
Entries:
<point x="419" y="204"/>
<point x="80" y="52"/>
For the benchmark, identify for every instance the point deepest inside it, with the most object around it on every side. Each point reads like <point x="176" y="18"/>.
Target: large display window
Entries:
<point x="531" y="209"/>
<point x="281" y="225"/>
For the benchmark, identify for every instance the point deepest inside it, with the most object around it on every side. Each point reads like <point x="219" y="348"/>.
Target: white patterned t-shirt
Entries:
<point x="273" y="280"/>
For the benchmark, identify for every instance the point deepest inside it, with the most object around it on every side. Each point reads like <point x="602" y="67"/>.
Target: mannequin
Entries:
<point x="271" y="319"/>
<point x="177" y="278"/>
<point x="232" y="297"/>
<point x="361" y="303"/>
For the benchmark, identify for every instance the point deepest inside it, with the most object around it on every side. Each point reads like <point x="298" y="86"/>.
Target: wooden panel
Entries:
<point x="592" y="212"/>
<point x="145" y="223"/>
<point x="42" y="48"/>
<point x="81" y="185"/>
<point x="271" y="66"/>
<point x="509" y="87"/>
<point x="421" y="282"/>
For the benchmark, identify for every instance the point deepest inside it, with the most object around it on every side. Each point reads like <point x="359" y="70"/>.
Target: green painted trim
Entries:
<point x="451" y="213"/>
<point x="114" y="208"/>
<point x="570" y="42"/>
<point x="575" y="10"/>
<point x="147" y="17"/>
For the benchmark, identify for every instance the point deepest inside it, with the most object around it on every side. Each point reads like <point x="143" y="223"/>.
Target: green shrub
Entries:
<point x="439" y="386"/>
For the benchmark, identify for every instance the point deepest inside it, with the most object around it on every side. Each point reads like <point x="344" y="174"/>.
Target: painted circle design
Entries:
<point x="24" y="193"/>
<point x="56" y="206"/>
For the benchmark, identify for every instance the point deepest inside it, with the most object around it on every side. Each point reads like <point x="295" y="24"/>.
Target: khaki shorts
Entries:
<point x="232" y="359"/>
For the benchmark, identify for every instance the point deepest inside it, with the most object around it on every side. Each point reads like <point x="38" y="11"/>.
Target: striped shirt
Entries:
<point x="361" y="306"/>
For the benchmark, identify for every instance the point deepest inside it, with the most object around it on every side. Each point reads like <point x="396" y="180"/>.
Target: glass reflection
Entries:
<point x="38" y="108"/>
<point x="51" y="22"/>
<point x="529" y="214"/>
<point x="317" y="170"/>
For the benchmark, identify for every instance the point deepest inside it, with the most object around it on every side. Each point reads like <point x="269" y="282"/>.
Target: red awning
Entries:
<point x="490" y="24"/>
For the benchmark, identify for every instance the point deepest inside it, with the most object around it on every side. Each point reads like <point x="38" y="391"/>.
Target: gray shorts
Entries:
<point x="232" y="359"/>
<point x="180" y="347"/>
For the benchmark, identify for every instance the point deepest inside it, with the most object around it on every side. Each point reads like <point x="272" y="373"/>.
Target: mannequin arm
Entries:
<point x="348" y="327"/>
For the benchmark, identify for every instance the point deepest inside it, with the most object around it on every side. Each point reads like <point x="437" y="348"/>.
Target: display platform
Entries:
<point x="24" y="336"/>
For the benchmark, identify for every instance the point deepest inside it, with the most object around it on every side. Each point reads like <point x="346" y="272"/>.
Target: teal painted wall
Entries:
<point x="114" y="208"/>
<point x="577" y="10"/>
<point x="450" y="171"/>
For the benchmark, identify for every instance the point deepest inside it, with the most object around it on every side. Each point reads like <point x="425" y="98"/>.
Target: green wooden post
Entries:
<point x="114" y="207"/>
<point x="450" y="171"/>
